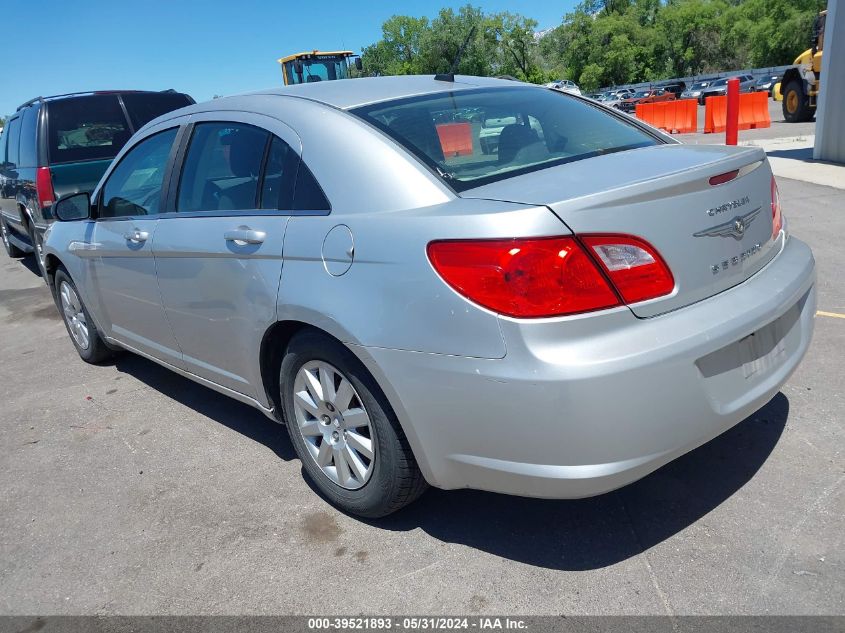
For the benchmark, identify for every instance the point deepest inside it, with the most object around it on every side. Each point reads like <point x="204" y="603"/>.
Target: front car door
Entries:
<point x="219" y="248"/>
<point x="9" y="176"/>
<point x="121" y="267"/>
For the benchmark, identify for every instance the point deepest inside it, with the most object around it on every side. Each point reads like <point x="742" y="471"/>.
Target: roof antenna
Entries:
<point x="450" y="76"/>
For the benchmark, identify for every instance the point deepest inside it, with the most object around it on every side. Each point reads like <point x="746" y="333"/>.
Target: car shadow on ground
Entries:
<point x="230" y="413"/>
<point x="600" y="531"/>
<point x="566" y="535"/>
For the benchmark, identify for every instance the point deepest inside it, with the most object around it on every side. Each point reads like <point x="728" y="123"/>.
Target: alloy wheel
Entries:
<point x="335" y="426"/>
<point x="74" y="315"/>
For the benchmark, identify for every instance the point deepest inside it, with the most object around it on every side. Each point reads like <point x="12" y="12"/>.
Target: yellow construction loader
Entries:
<point x="301" y="68"/>
<point x="800" y="84"/>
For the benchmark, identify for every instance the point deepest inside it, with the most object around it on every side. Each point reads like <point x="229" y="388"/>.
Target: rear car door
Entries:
<point x="122" y="268"/>
<point x="219" y="249"/>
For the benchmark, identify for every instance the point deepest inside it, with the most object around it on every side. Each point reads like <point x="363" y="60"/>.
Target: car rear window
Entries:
<point x="86" y="128"/>
<point x="143" y="107"/>
<point x="474" y="137"/>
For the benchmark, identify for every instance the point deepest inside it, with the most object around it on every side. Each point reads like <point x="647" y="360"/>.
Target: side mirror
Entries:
<point x="72" y="207"/>
<point x="359" y="65"/>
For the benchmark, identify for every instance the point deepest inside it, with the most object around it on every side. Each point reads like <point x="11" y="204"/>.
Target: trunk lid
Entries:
<point x="662" y="194"/>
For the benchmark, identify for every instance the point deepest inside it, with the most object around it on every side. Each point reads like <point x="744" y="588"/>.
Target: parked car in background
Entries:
<point x="694" y="91"/>
<point x="557" y="319"/>
<point x="719" y="87"/>
<point x="613" y="97"/>
<point x="675" y="87"/>
<point x="766" y="83"/>
<point x="62" y="144"/>
<point x="565" y="85"/>
<point x="644" y="96"/>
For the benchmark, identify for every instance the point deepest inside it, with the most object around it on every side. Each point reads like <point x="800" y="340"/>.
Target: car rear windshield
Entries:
<point x="474" y="137"/>
<point x="143" y="107"/>
<point x="86" y="128"/>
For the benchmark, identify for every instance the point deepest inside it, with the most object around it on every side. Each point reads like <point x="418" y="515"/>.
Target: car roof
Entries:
<point x="351" y="93"/>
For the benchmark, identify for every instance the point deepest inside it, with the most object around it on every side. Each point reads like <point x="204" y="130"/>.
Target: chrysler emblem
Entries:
<point x="732" y="228"/>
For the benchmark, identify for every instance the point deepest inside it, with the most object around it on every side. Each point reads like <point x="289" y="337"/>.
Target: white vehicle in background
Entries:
<point x="565" y="85"/>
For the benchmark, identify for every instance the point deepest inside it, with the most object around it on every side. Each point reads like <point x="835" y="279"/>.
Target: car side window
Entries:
<point x="277" y="185"/>
<point x="308" y="194"/>
<point x="134" y="187"/>
<point x="13" y="128"/>
<point x="222" y="167"/>
<point x="27" y="155"/>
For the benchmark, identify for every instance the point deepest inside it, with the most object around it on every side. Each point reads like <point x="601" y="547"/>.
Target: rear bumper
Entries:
<point x="584" y="405"/>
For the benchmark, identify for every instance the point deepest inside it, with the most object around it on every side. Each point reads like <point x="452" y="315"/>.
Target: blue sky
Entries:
<point x="199" y="47"/>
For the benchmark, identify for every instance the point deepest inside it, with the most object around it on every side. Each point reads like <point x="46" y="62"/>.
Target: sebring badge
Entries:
<point x="732" y="228"/>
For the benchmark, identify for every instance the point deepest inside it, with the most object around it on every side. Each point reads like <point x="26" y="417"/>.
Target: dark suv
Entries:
<point x="52" y="146"/>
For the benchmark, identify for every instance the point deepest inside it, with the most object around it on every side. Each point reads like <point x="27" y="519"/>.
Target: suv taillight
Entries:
<point x="777" y="215"/>
<point x="546" y="277"/>
<point x="44" y="187"/>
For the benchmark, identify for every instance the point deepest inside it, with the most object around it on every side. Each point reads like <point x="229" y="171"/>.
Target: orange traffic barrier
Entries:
<point x="455" y="138"/>
<point x="672" y="116"/>
<point x="753" y="112"/>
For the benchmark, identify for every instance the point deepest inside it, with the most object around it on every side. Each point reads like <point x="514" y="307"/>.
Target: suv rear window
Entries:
<point x="474" y="137"/>
<point x="143" y="107"/>
<point x="86" y="128"/>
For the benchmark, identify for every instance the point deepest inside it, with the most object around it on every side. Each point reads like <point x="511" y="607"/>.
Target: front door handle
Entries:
<point x="245" y="235"/>
<point x="136" y="236"/>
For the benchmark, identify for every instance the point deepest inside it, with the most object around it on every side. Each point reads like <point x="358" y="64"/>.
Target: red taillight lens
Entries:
<point x="633" y="265"/>
<point x="526" y="278"/>
<point x="44" y="187"/>
<point x="721" y="179"/>
<point x="777" y="216"/>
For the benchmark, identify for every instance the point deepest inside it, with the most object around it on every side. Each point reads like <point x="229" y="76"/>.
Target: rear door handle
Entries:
<point x="136" y="236"/>
<point x="245" y="235"/>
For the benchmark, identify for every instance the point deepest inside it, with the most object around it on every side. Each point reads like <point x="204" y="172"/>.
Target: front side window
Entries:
<point x="474" y="137"/>
<point x="222" y="168"/>
<point x="134" y="187"/>
<point x="86" y="128"/>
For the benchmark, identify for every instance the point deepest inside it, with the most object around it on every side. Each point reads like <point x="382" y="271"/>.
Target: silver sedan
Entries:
<point x="555" y="314"/>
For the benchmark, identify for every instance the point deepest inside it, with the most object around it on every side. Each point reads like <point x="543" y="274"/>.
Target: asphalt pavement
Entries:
<point x="126" y="489"/>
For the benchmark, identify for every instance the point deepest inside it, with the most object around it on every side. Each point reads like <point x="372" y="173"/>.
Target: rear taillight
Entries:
<point x="44" y="187"/>
<point x="633" y="265"/>
<point x="777" y="216"/>
<point x="526" y="278"/>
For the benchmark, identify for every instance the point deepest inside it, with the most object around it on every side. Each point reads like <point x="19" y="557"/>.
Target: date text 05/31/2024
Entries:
<point x="416" y="623"/>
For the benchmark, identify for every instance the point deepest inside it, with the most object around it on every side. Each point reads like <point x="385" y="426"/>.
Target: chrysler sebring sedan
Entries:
<point x="554" y="317"/>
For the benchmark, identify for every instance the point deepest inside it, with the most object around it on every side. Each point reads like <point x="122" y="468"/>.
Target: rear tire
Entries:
<point x="11" y="250"/>
<point x="368" y="468"/>
<point x="80" y="326"/>
<point x="796" y="105"/>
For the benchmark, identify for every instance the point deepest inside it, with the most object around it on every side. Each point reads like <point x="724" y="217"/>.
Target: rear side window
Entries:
<point x="86" y="128"/>
<point x="143" y="107"/>
<point x="28" y="156"/>
<point x="308" y="195"/>
<point x="134" y="186"/>
<point x="3" y="137"/>
<point x="474" y="137"/>
<point x="276" y="187"/>
<point x="13" y="130"/>
<point x="222" y="168"/>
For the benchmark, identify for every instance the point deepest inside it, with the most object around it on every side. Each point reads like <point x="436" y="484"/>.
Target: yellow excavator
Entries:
<point x="800" y="84"/>
<point x="301" y="68"/>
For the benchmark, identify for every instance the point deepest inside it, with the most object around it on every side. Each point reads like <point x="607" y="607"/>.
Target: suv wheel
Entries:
<point x="11" y="249"/>
<point x="344" y="430"/>
<point x="83" y="332"/>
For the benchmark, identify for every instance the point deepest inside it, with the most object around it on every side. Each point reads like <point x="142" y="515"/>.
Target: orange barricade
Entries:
<point x="455" y="138"/>
<point x="671" y="116"/>
<point x="753" y="112"/>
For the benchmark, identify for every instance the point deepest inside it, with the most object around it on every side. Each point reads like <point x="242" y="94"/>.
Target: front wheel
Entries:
<point x="80" y="326"/>
<point x="796" y="105"/>
<point x="344" y="431"/>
